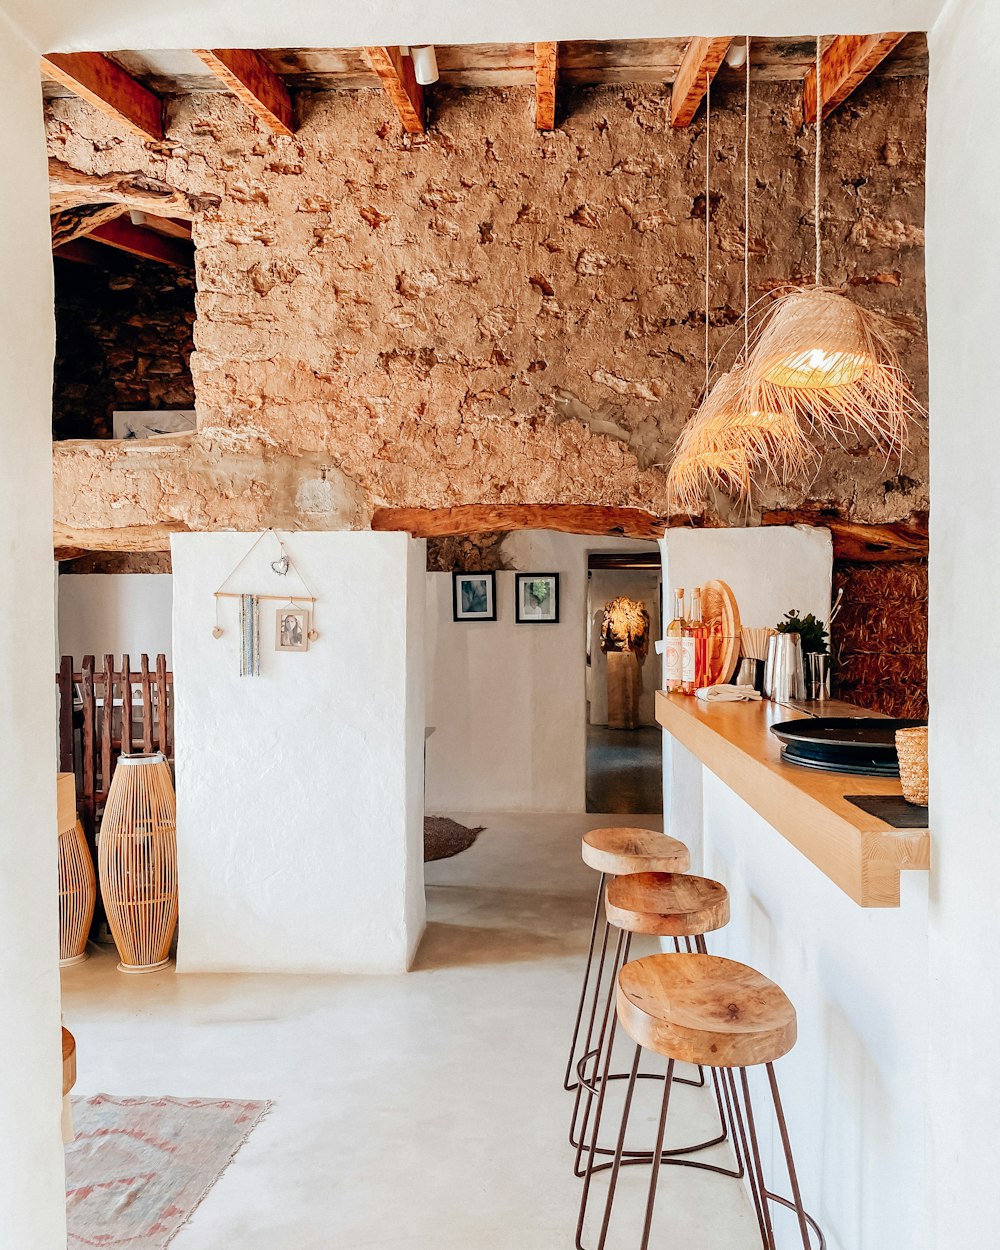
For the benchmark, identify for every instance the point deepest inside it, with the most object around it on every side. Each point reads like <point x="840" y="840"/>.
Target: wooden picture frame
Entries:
<point x="291" y="628"/>
<point x="474" y="596"/>
<point x="536" y="598"/>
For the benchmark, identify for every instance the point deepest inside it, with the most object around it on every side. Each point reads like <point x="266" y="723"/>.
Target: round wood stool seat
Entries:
<point x="68" y="1060"/>
<point x="667" y="904"/>
<point x="707" y="1010"/>
<point x="619" y="851"/>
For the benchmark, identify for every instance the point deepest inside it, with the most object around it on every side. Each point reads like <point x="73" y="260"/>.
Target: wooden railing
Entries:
<point x="104" y="712"/>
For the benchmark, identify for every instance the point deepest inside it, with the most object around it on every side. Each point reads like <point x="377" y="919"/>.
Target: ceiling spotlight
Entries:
<point x="736" y="57"/>
<point x="425" y="66"/>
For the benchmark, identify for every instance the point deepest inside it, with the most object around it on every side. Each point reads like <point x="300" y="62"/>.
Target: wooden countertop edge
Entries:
<point x="858" y="852"/>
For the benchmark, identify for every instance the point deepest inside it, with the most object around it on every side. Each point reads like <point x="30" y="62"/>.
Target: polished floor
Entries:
<point x="419" y="1112"/>
<point x="624" y="770"/>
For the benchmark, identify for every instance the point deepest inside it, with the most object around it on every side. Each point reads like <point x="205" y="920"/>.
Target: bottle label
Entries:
<point x="687" y="659"/>
<point x="672" y="662"/>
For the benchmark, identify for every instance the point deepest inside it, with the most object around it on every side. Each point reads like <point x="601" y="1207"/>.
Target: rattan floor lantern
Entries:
<point x="137" y="861"/>
<point x="77" y="895"/>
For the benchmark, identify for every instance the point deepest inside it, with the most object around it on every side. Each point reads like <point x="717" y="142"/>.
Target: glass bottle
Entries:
<point x="695" y="656"/>
<point x="673" y="645"/>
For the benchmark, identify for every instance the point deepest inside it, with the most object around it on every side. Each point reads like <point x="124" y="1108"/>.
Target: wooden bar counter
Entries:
<point x="857" y="851"/>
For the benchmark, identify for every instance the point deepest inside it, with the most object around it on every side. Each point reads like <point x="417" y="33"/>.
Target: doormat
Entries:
<point x="138" y="1168"/>
<point x="444" y="837"/>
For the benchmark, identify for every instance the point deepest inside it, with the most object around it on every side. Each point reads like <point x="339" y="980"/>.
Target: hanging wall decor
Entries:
<point x="474" y="596"/>
<point x="536" y="598"/>
<point x="294" y="622"/>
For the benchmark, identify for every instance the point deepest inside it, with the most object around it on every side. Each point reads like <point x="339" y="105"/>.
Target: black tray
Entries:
<point x="846" y="744"/>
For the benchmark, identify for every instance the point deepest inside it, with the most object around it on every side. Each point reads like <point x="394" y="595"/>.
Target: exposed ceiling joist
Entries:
<point x="83" y="252"/>
<point x="76" y="223"/>
<point x="104" y="84"/>
<point x="248" y="76"/>
<point x="401" y="86"/>
<point x="546" y="70"/>
<point x="846" y="62"/>
<point x="700" y="64"/>
<point x="488" y="518"/>
<point x="146" y="244"/>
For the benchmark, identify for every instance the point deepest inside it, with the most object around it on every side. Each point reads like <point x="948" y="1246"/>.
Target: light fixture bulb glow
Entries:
<point x="816" y="367"/>
<point x="736" y="57"/>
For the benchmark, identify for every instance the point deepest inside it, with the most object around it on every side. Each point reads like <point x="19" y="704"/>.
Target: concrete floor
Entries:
<point x="423" y="1112"/>
<point x="624" y="769"/>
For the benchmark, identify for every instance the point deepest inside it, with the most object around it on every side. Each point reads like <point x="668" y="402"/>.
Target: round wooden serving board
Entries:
<point x="721" y="613"/>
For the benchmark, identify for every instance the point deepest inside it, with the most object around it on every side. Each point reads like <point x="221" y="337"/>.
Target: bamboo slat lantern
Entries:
<point x="77" y="895"/>
<point x="137" y="861"/>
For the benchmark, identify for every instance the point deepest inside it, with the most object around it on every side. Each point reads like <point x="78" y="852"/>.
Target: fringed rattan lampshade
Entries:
<point x="828" y="363"/>
<point x="137" y="861"/>
<point x="730" y="446"/>
<point x="77" y="895"/>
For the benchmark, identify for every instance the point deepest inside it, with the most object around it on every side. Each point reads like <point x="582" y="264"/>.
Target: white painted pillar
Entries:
<point x="32" y="1204"/>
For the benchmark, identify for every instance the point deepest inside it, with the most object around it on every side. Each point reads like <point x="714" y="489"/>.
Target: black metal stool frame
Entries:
<point x="746" y="1149"/>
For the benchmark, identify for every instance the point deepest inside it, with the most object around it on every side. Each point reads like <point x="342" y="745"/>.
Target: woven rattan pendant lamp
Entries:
<point x="824" y="360"/>
<point x="137" y="861"/>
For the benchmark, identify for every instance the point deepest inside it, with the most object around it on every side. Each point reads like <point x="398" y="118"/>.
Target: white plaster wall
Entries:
<point x="770" y="570"/>
<point x="32" y="1205"/>
<point x="298" y="792"/>
<point x="508" y="701"/>
<point x="854" y="1087"/>
<point x="116" y="614"/>
<point x="963" y="282"/>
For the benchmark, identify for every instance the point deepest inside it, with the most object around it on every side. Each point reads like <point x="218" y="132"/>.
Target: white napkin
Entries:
<point x="728" y="694"/>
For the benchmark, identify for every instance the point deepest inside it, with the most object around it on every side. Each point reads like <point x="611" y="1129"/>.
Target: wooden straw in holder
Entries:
<point x="137" y="861"/>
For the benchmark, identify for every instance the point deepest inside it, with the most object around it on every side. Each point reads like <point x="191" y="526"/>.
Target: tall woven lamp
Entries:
<point x="77" y="895"/>
<point x="137" y="861"/>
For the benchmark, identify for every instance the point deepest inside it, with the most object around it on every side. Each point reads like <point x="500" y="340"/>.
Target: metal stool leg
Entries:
<point x="654" y="1170"/>
<point x="789" y="1161"/>
<point x="621" y="955"/>
<point x="617" y="1165"/>
<point x="598" y="906"/>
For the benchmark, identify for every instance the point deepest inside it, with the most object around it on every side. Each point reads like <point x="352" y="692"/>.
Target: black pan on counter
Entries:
<point x="844" y="744"/>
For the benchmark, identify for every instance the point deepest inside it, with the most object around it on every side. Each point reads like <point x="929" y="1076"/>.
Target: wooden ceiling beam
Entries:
<point x="397" y="77"/>
<point x="103" y="83"/>
<point x="546" y="73"/>
<point x="484" y="518"/>
<point x="69" y="187"/>
<point x="146" y="244"/>
<point x="845" y="64"/>
<point x="699" y="65"/>
<point x="248" y="76"/>
<point x="84" y="252"/>
<point x="75" y="223"/>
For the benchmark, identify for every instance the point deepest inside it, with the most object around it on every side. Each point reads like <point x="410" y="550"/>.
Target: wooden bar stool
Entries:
<point x="658" y="904"/>
<point x="613" y="852"/>
<point x="715" y="1012"/>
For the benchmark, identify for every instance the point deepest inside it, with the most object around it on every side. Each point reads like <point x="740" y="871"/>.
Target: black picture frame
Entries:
<point x="465" y="596"/>
<point x="523" y="615"/>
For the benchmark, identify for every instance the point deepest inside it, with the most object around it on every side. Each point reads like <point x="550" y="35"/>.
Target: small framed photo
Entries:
<point x="291" y="629"/>
<point x="536" y="597"/>
<point x="474" y="596"/>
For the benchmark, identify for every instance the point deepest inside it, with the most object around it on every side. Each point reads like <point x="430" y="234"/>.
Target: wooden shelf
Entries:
<point x="858" y="852"/>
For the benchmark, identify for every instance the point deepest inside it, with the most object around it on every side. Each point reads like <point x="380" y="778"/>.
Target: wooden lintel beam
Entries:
<point x="546" y="71"/>
<point x="84" y="252"/>
<point x="699" y="65"/>
<point x="396" y="74"/>
<point x="852" y="540"/>
<point x="104" y="84"/>
<point x="147" y="244"/>
<point x="75" y="223"/>
<point x="846" y="62"/>
<point x="69" y="186"/>
<point x="248" y="76"/>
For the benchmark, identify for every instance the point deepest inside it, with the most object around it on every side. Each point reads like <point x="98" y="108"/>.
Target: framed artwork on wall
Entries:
<point x="291" y="631"/>
<point x="474" y="596"/>
<point x="536" y="597"/>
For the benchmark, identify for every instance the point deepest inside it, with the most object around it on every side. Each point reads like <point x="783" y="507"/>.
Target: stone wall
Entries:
<point x="123" y="341"/>
<point x="501" y="316"/>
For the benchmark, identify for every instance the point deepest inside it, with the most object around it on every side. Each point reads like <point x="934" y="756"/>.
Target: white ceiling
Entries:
<point x="68" y="25"/>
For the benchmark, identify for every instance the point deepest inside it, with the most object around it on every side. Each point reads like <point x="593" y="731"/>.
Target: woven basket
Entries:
<point x="911" y="747"/>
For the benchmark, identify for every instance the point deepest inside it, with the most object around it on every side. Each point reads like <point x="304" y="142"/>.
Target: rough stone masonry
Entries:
<point x="492" y="315"/>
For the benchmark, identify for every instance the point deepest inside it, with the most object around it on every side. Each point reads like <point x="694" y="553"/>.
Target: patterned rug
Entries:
<point x="444" y="837"/>
<point x="138" y="1167"/>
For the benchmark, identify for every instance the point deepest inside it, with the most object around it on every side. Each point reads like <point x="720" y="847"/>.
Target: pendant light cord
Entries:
<point x="819" y="144"/>
<point x="708" y="212"/>
<point x="746" y="211"/>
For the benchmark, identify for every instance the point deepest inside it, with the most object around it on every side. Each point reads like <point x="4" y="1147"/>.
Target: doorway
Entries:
<point x="624" y="763"/>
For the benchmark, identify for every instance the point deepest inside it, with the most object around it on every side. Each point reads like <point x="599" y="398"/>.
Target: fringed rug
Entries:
<point x="444" y="837"/>
<point x="139" y="1167"/>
